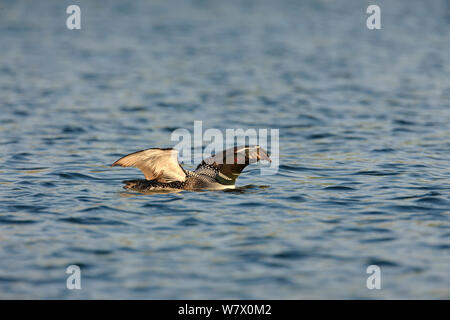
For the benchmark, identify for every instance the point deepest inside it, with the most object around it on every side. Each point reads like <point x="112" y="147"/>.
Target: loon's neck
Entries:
<point x="211" y="171"/>
<point x="223" y="179"/>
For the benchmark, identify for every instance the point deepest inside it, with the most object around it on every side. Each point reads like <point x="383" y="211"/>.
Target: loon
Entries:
<point x="162" y="170"/>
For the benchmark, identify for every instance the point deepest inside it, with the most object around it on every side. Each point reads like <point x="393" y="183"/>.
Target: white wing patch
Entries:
<point x="156" y="164"/>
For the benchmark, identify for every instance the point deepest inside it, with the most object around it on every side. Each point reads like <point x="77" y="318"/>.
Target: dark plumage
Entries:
<point x="163" y="172"/>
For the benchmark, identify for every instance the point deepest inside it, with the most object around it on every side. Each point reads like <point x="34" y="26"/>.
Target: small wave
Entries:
<point x="291" y="255"/>
<point x="103" y="207"/>
<point x="381" y="262"/>
<point x="297" y="198"/>
<point x="191" y="221"/>
<point x="339" y="188"/>
<point x="299" y="168"/>
<point x="371" y="240"/>
<point x="91" y="221"/>
<point x="72" y="129"/>
<point x="383" y="150"/>
<point x="376" y="173"/>
<point x="77" y="176"/>
<point x="13" y="220"/>
<point x="433" y="200"/>
<point x="320" y="136"/>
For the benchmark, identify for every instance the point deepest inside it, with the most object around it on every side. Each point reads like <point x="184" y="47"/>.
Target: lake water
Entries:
<point x="364" y="120"/>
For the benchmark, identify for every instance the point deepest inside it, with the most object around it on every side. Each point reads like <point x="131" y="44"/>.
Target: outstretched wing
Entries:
<point x="232" y="161"/>
<point x="156" y="164"/>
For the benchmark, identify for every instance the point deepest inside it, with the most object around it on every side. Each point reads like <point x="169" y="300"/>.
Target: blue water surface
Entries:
<point x="364" y="120"/>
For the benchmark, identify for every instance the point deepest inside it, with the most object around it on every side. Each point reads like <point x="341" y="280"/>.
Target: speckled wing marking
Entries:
<point x="232" y="161"/>
<point x="156" y="164"/>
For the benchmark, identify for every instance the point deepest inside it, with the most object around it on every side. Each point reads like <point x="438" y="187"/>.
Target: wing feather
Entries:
<point x="156" y="164"/>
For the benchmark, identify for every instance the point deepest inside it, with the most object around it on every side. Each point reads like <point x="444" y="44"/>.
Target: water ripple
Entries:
<point x="363" y="135"/>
